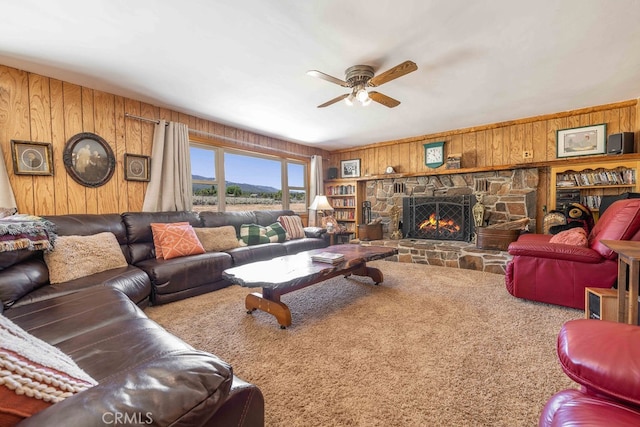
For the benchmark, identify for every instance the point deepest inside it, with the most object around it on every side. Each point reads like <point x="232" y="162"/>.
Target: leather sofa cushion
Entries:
<point x="130" y="280"/>
<point x="263" y="252"/>
<point x="139" y="366"/>
<point x="21" y="279"/>
<point x="269" y="217"/>
<point x="621" y="221"/>
<point x="179" y="274"/>
<point x="573" y="408"/>
<point x="218" y="219"/>
<point x="610" y="373"/>
<point x="305" y="244"/>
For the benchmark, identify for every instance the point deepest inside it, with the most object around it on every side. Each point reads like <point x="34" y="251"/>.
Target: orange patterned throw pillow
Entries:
<point x="33" y="374"/>
<point x="573" y="236"/>
<point x="173" y="240"/>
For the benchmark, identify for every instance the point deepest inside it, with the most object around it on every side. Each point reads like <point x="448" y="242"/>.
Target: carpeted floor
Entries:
<point x="429" y="346"/>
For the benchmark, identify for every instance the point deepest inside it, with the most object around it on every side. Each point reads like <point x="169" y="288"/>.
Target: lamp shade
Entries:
<point x="320" y="203"/>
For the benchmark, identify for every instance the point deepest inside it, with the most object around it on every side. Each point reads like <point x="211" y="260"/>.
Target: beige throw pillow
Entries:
<point x="217" y="239"/>
<point x="79" y="256"/>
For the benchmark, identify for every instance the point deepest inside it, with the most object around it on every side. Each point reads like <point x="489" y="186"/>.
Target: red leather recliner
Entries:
<point x="604" y="358"/>
<point x="557" y="273"/>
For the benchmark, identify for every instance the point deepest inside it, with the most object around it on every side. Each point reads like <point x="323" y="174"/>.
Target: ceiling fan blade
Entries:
<point x="398" y="71"/>
<point x="327" y="77"/>
<point x="385" y="100"/>
<point x="333" y="101"/>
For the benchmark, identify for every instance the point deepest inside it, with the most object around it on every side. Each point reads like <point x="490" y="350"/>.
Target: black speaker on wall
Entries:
<point x="620" y="143"/>
<point x="333" y="173"/>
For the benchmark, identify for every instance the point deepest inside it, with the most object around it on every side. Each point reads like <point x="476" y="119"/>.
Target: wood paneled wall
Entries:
<point x="498" y="145"/>
<point x="492" y="145"/>
<point x="38" y="108"/>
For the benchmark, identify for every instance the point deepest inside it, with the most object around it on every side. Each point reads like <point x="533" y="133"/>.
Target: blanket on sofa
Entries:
<point x="22" y="231"/>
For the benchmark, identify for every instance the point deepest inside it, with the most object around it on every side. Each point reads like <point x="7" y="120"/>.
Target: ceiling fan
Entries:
<point x="359" y="77"/>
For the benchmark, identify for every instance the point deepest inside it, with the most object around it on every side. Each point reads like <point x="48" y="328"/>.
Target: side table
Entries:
<point x="628" y="276"/>
<point x="335" y="237"/>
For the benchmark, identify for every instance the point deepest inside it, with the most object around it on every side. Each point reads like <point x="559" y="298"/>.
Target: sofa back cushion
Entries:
<point x="218" y="219"/>
<point x="265" y="218"/>
<point x="621" y="221"/>
<point x="140" y="236"/>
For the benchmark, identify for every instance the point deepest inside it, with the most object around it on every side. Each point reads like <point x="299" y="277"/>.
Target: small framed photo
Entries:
<point x="583" y="141"/>
<point x="136" y="167"/>
<point x="350" y="168"/>
<point x="32" y="158"/>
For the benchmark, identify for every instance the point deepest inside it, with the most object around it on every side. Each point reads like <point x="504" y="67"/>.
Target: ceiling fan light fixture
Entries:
<point x="362" y="95"/>
<point x="366" y="102"/>
<point x="349" y="100"/>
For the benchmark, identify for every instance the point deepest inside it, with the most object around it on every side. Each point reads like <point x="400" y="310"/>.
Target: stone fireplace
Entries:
<point x="507" y="195"/>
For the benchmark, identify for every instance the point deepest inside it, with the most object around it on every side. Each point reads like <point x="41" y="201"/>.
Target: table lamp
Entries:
<point x="321" y="203"/>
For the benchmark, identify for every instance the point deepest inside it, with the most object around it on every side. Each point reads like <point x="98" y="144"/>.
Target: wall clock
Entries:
<point x="434" y="154"/>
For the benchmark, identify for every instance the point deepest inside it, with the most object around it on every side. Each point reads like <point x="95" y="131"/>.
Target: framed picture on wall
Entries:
<point x="350" y="168"/>
<point x="582" y="141"/>
<point x="32" y="158"/>
<point x="136" y="167"/>
<point x="89" y="159"/>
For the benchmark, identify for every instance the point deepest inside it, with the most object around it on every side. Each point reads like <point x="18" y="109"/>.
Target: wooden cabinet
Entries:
<point x="601" y="304"/>
<point x="586" y="183"/>
<point x="343" y="196"/>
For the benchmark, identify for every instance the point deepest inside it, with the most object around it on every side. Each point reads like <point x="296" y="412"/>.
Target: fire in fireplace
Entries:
<point x="438" y="217"/>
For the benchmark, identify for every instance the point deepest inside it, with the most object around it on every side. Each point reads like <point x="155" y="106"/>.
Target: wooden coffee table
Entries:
<point x="285" y="274"/>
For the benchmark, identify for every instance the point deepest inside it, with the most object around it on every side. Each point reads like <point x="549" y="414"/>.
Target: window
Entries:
<point x="203" y="178"/>
<point x="232" y="180"/>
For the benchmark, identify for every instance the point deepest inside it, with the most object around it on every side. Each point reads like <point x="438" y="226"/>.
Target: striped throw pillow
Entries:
<point x="293" y="225"/>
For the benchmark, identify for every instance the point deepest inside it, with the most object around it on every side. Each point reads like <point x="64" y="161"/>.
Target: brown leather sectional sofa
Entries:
<point x="144" y="373"/>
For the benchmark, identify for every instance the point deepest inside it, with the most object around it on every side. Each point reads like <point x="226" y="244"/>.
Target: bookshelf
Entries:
<point x="343" y="196"/>
<point x="586" y="183"/>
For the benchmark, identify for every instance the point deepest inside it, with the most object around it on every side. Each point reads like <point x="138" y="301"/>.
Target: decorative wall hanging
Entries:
<point x="583" y="141"/>
<point x="89" y="159"/>
<point x="350" y="168"/>
<point x="32" y="158"/>
<point x="136" y="167"/>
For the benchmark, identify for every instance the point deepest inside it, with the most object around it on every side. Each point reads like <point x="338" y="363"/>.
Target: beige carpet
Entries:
<point x="430" y="346"/>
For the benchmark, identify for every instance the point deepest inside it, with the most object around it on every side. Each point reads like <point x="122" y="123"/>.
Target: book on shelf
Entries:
<point x="328" y="257"/>
<point x="602" y="177"/>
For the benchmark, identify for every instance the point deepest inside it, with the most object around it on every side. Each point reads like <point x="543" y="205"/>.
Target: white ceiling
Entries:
<point x="243" y="63"/>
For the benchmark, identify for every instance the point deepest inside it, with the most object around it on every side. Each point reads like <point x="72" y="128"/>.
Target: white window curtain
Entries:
<point x="316" y="186"/>
<point x="170" y="186"/>
<point x="7" y="199"/>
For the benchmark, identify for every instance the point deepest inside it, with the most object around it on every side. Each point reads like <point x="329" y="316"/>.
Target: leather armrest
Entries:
<point x="314" y="231"/>
<point x="602" y="356"/>
<point x="555" y="251"/>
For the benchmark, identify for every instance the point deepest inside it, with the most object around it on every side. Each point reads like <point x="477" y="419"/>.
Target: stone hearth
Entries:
<point x="445" y="254"/>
